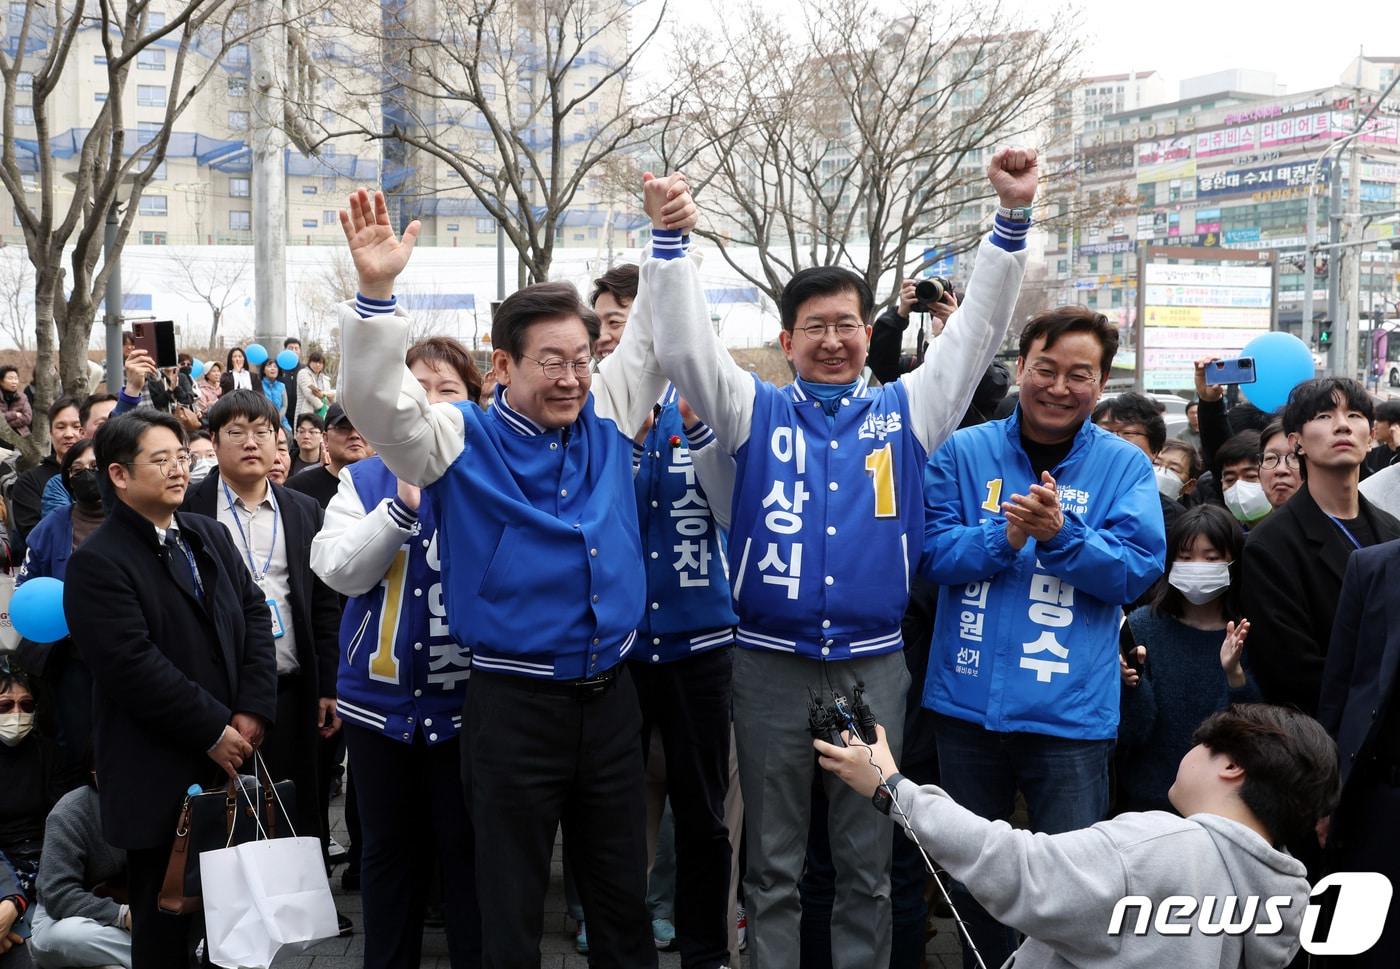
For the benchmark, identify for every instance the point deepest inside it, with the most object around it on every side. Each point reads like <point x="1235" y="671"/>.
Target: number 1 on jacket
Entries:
<point x="880" y="466"/>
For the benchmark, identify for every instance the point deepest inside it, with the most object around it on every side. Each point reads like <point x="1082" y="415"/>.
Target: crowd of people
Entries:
<point x="617" y="585"/>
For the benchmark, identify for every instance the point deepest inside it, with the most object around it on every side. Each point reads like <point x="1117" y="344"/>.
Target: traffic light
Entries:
<point x="1324" y="336"/>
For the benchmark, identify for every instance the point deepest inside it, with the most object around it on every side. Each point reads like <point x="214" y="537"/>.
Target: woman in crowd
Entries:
<point x="1178" y="468"/>
<point x="236" y="374"/>
<point x="1182" y="655"/>
<point x="401" y="685"/>
<point x="19" y="414"/>
<point x="315" y="392"/>
<point x="26" y="499"/>
<point x="53" y="540"/>
<point x="274" y="390"/>
<point x="208" y="386"/>
<point x="28" y="777"/>
<point x="1278" y="465"/>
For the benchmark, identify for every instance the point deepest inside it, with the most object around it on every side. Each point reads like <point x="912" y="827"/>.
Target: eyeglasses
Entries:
<point x="180" y="463"/>
<point x="238" y="435"/>
<point x="1270" y="460"/>
<point x="844" y="331"/>
<point x="555" y="367"/>
<point x="8" y="704"/>
<point x="1076" y="380"/>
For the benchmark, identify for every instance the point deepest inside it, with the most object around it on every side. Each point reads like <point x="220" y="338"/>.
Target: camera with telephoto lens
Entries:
<point x="928" y="292"/>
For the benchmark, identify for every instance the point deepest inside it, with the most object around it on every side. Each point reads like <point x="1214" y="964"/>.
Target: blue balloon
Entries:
<point x="287" y="360"/>
<point x="36" y="610"/>
<point x="256" y="354"/>
<point x="1281" y="362"/>
<point x="197" y="370"/>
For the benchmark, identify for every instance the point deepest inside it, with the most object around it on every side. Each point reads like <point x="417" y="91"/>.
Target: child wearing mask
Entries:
<point x="1183" y="656"/>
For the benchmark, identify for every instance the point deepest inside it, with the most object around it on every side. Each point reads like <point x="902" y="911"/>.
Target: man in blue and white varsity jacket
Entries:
<point x="542" y="576"/>
<point x="826" y="528"/>
<point x="1038" y="528"/>
<point x="684" y="661"/>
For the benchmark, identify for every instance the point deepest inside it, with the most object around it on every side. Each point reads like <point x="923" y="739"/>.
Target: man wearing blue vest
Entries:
<point x="827" y="526"/>
<point x="684" y="661"/>
<point x="1038" y="528"/>
<point x="542" y="579"/>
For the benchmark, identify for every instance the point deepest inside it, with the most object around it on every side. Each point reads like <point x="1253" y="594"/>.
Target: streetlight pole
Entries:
<point x="112" y="317"/>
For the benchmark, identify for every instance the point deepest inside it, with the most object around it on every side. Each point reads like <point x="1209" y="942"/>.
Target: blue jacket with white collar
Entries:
<point x="547" y="581"/>
<point x="688" y="606"/>
<point x="401" y="671"/>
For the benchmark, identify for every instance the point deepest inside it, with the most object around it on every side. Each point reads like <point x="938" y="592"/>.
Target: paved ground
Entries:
<point x="558" y="948"/>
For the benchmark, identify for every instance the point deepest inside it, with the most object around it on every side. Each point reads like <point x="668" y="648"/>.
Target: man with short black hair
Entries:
<point x="1038" y="528"/>
<point x="1295" y="559"/>
<point x="183" y="665"/>
<point x="1252" y="788"/>
<point x="1136" y="419"/>
<point x="344" y="446"/>
<point x="310" y="441"/>
<point x="827" y="519"/>
<point x="1191" y="434"/>
<point x="95" y="411"/>
<point x="613" y="293"/>
<point x="1386" y="432"/>
<point x="536" y="516"/>
<point x="272" y="528"/>
<point x="288" y="375"/>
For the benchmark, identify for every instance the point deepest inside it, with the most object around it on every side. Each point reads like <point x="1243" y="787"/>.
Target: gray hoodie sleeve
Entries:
<point x="68" y="844"/>
<point x="1049" y="887"/>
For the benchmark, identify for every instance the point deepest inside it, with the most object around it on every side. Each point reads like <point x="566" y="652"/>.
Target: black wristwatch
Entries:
<point x="882" y="799"/>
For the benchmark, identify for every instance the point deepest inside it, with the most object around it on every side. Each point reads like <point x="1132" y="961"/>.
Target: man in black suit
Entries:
<point x="1358" y="709"/>
<point x="1295" y="558"/>
<point x="271" y="529"/>
<point x="178" y="641"/>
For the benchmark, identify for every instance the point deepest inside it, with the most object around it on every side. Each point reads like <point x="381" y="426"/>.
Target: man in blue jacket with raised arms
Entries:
<point x="826" y="528"/>
<point x="542" y="576"/>
<point x="1038" y="528"/>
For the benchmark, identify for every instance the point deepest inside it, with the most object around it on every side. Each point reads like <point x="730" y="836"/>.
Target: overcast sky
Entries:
<point x="1306" y="44"/>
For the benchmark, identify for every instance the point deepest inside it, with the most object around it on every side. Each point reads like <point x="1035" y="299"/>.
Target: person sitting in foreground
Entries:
<point x="1258" y="779"/>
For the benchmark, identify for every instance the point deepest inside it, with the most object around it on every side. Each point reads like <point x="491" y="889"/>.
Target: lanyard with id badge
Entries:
<point x="278" y="630"/>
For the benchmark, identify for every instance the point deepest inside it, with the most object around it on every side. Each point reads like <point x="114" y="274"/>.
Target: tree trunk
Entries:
<point x="214" y="329"/>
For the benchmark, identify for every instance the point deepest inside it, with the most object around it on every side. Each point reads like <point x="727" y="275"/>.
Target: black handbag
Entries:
<point x="220" y="818"/>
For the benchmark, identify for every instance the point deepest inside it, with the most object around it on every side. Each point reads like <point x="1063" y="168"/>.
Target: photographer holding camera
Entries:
<point x="937" y="300"/>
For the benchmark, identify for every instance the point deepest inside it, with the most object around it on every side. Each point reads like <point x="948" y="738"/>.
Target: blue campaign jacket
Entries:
<point x="401" y="670"/>
<point x="827" y="520"/>
<point x="544" y="574"/>
<point x="688" y="606"/>
<point x="49" y="547"/>
<point x="1028" y="640"/>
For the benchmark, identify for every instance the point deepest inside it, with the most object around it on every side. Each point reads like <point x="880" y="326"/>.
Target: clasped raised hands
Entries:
<point x="378" y="254"/>
<point x="1036" y="515"/>
<point x="668" y="202"/>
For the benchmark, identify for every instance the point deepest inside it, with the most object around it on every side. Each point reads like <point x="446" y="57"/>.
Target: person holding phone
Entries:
<point x="1194" y="634"/>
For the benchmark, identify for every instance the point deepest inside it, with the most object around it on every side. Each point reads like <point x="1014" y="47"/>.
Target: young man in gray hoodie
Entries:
<point x="1259" y="778"/>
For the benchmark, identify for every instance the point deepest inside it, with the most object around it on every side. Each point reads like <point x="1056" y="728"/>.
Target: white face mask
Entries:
<point x="14" y="727"/>
<point x="1168" y="483"/>
<point x="1200" y="582"/>
<point x="1247" y="501"/>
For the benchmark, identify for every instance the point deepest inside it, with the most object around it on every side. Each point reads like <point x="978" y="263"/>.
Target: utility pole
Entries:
<point x="1336" y="352"/>
<point x="1352" y="322"/>
<point x="269" y="173"/>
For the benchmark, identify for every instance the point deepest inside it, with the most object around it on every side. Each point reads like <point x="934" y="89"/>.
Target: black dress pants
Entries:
<point x="538" y="753"/>
<point x="689" y="702"/>
<point x="158" y="941"/>
<point x="410" y="798"/>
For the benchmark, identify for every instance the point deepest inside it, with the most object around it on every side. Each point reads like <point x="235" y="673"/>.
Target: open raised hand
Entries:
<point x="378" y="254"/>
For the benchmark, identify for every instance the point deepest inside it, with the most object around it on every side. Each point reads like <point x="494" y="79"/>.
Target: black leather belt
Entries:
<point x="586" y="689"/>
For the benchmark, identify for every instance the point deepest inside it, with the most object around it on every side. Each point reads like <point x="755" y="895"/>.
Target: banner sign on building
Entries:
<point x="1164" y="152"/>
<point x="1106" y="248"/>
<point x="1192" y="310"/>
<point x="1242" y="181"/>
<point x="1226" y="141"/>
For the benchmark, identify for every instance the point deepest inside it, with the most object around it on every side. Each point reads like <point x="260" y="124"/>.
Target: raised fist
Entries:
<point x="668" y="202"/>
<point x="1014" y="173"/>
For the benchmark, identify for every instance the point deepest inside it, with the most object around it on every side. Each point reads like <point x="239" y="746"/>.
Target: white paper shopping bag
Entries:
<point x="262" y="896"/>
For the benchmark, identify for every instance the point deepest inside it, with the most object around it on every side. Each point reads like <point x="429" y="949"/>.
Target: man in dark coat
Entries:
<point x="178" y="641"/>
<point x="304" y="611"/>
<point x="1358" y="709"/>
<point x="1294" y="560"/>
